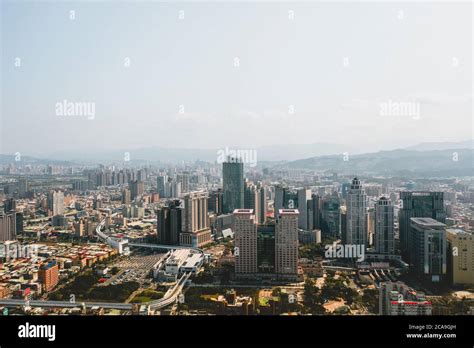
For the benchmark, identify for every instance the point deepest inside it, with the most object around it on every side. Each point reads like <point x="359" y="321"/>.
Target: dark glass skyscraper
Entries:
<point x="418" y="204"/>
<point x="330" y="220"/>
<point x="266" y="248"/>
<point x="233" y="184"/>
<point x="169" y="220"/>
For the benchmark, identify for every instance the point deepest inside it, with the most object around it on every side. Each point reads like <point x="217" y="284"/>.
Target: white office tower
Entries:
<point x="175" y="189"/>
<point x="286" y="243"/>
<point x="183" y="179"/>
<point x="196" y="231"/>
<point x="303" y="196"/>
<point x="245" y="242"/>
<point x="356" y="214"/>
<point x="384" y="227"/>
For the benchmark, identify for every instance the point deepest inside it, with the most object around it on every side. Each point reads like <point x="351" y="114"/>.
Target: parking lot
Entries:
<point x="133" y="269"/>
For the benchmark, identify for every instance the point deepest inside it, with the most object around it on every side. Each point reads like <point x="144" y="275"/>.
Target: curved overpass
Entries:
<point x="173" y="293"/>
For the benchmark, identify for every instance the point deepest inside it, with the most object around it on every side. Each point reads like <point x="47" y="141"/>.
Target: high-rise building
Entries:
<point x="418" y="204"/>
<point x="196" y="230"/>
<point x="303" y="196"/>
<point x="7" y="226"/>
<point x="233" y="184"/>
<point x="137" y="188"/>
<point x="345" y="187"/>
<point x="384" y="227"/>
<point x="460" y="256"/>
<point x="262" y="212"/>
<point x="215" y="203"/>
<point x="245" y="242"/>
<point x="9" y="205"/>
<point x="161" y="182"/>
<point x="343" y="221"/>
<point x="331" y="216"/>
<point x="169" y="222"/>
<point x="22" y="187"/>
<point x="48" y="275"/>
<point x="183" y="179"/>
<point x="316" y="209"/>
<point x="280" y="199"/>
<point x="357" y="214"/>
<point x="175" y="189"/>
<point x="56" y="202"/>
<point x="286" y="243"/>
<point x="252" y="200"/>
<point x="126" y="196"/>
<point x="266" y="249"/>
<point x="428" y="248"/>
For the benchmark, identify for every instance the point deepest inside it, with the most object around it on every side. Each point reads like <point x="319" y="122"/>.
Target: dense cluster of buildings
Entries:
<point x="266" y="216"/>
<point x="34" y="269"/>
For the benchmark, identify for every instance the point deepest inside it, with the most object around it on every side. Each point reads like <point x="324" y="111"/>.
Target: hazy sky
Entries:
<point x="306" y="72"/>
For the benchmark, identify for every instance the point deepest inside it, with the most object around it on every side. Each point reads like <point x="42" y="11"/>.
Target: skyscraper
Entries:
<point x="169" y="223"/>
<point x="137" y="188"/>
<point x="316" y="207"/>
<point x="279" y="201"/>
<point x="331" y="216"/>
<point x="22" y="187"/>
<point x="245" y="242"/>
<point x="418" y="204"/>
<point x="215" y="202"/>
<point x="255" y="198"/>
<point x="428" y="248"/>
<point x="262" y="212"/>
<point x="161" y="185"/>
<point x="126" y="196"/>
<point x="356" y="214"/>
<point x="384" y="227"/>
<point x="233" y="184"/>
<point x="303" y="196"/>
<point x="7" y="226"/>
<point x="286" y="244"/>
<point x="196" y="230"/>
<point x="266" y="249"/>
<point x="183" y="179"/>
<point x="56" y="202"/>
<point x="9" y="205"/>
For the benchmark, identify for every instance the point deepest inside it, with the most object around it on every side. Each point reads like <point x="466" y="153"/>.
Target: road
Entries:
<point x="65" y="304"/>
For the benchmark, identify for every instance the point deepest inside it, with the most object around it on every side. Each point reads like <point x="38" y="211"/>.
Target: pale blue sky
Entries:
<point x="190" y="62"/>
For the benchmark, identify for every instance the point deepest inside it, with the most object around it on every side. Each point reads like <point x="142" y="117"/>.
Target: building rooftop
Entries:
<point x="243" y="211"/>
<point x="426" y="221"/>
<point x="458" y="231"/>
<point x="288" y="212"/>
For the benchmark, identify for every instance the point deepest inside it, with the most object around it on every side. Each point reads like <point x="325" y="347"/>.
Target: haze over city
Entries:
<point x="209" y="75"/>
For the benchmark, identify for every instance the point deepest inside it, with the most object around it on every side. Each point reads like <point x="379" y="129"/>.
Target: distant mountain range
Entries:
<point x="423" y="159"/>
<point x="468" y="144"/>
<point x="454" y="162"/>
<point x="179" y="155"/>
